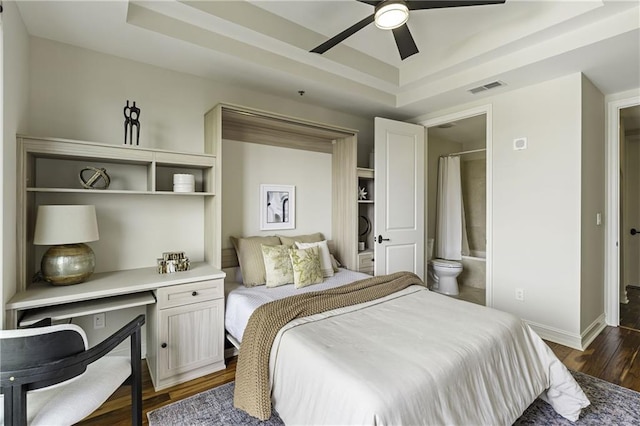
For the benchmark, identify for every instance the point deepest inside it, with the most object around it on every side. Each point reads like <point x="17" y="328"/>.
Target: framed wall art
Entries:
<point x="277" y="207"/>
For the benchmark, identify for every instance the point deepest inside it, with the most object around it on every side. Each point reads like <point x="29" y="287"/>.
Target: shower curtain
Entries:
<point x="451" y="234"/>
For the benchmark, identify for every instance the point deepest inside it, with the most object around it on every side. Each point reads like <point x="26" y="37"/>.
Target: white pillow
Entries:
<point x="325" y="257"/>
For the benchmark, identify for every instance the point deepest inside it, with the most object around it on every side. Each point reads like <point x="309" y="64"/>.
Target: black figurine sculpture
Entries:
<point x="131" y="119"/>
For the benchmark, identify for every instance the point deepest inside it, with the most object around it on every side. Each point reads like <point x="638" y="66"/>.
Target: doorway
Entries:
<point x="467" y="134"/>
<point x="617" y="221"/>
<point x="629" y="142"/>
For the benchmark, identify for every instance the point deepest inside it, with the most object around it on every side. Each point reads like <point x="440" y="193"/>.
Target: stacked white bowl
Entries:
<point x="184" y="183"/>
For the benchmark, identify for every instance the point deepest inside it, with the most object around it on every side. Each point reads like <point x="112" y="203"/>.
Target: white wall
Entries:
<point x="79" y="94"/>
<point x="536" y="205"/>
<point x="15" y="48"/>
<point x="247" y="165"/>
<point x="593" y="203"/>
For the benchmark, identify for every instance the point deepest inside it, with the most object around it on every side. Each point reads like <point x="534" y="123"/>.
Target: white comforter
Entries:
<point x="415" y="358"/>
<point x="241" y="301"/>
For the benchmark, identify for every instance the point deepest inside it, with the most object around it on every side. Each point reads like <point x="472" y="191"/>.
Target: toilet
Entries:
<point x="442" y="273"/>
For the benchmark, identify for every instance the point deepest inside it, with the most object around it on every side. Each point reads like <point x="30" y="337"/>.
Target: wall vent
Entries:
<point x="487" y="86"/>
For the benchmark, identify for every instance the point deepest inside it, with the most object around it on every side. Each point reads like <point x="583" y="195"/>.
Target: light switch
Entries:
<point x="598" y="219"/>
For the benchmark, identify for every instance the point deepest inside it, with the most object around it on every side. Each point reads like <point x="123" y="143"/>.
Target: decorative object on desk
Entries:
<point x="99" y="180"/>
<point x="173" y="261"/>
<point x="184" y="183"/>
<point x="362" y="193"/>
<point x="131" y="120"/>
<point x="66" y="229"/>
<point x="277" y="207"/>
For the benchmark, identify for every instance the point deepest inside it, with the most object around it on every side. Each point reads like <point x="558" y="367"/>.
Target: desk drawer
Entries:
<point x="185" y="294"/>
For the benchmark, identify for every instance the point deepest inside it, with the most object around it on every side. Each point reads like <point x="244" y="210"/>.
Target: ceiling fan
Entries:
<point x="393" y="15"/>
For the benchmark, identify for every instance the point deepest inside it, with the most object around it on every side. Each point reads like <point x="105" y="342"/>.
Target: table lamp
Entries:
<point x="66" y="229"/>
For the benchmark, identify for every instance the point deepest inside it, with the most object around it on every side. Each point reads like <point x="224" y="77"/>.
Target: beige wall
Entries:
<point x="247" y="165"/>
<point x="593" y="203"/>
<point x="537" y="203"/>
<point x="15" y="48"/>
<point x="474" y="194"/>
<point x="80" y="94"/>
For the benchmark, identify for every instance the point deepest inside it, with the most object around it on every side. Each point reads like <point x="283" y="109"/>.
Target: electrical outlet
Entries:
<point x="520" y="294"/>
<point x="99" y="321"/>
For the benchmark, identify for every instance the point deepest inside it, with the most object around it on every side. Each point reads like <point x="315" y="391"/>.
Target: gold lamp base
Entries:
<point x="68" y="264"/>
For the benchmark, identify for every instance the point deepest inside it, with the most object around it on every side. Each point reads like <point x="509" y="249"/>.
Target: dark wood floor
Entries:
<point x="613" y="356"/>
<point x="630" y="312"/>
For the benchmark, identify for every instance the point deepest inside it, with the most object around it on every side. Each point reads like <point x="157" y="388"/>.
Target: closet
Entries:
<point x="242" y="124"/>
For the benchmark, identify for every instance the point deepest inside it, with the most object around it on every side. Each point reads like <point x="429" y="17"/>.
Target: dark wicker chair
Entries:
<point x="49" y="376"/>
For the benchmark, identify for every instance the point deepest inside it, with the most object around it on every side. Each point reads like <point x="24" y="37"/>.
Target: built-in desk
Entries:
<point x="182" y="307"/>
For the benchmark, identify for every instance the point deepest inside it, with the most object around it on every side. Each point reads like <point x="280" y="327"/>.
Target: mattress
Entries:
<point x="415" y="357"/>
<point x="241" y="301"/>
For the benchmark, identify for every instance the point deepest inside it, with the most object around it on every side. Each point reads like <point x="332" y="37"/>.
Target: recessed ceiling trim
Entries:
<point x="268" y="24"/>
<point x="168" y="26"/>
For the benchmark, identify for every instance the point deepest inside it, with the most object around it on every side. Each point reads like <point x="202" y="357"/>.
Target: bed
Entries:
<point x="411" y="357"/>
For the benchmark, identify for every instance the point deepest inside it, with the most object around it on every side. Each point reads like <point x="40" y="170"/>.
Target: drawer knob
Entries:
<point x="164" y="345"/>
<point x="195" y="293"/>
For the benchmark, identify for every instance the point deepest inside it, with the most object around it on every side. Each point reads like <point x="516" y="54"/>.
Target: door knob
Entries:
<point x="634" y="231"/>
<point x="164" y="345"/>
<point x="380" y="239"/>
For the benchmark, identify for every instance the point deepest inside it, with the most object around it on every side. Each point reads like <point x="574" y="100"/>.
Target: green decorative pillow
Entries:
<point x="309" y="238"/>
<point x="325" y="256"/>
<point x="306" y="266"/>
<point x="277" y="265"/>
<point x="249" y="253"/>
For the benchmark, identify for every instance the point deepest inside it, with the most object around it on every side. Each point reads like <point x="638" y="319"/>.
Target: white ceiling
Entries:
<point x="264" y="44"/>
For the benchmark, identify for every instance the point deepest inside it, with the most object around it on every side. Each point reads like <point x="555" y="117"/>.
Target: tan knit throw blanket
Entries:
<point x="252" y="390"/>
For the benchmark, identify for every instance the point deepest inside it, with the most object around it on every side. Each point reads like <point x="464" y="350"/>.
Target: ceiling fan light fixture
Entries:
<point x="391" y="15"/>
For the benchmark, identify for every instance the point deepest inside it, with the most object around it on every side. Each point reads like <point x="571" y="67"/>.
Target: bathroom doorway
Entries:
<point x="629" y="143"/>
<point x="466" y="136"/>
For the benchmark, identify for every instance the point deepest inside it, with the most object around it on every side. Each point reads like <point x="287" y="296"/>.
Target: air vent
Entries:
<point x="487" y="86"/>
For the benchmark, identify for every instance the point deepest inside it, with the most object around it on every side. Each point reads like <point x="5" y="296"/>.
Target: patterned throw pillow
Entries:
<point x="277" y="265"/>
<point x="306" y="266"/>
<point x="325" y="256"/>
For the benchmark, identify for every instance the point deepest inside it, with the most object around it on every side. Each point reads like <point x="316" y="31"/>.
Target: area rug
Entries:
<point x="610" y="405"/>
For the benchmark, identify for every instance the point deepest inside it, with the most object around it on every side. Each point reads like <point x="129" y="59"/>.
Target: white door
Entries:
<point x="399" y="194"/>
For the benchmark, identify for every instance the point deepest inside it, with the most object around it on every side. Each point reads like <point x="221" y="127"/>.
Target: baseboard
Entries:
<point x="575" y="341"/>
<point x="593" y="330"/>
<point x="556" y="335"/>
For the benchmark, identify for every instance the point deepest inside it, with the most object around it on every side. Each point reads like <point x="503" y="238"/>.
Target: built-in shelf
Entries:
<point x="115" y="191"/>
<point x="49" y="170"/>
<point x="365" y="173"/>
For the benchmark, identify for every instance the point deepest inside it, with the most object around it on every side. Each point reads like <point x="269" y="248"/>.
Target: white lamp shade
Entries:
<point x="65" y="225"/>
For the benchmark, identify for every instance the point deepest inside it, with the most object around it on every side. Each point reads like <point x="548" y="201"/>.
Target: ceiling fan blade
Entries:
<point x="371" y="2"/>
<point x="343" y="35"/>
<point x="437" y="4"/>
<point x="404" y="40"/>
